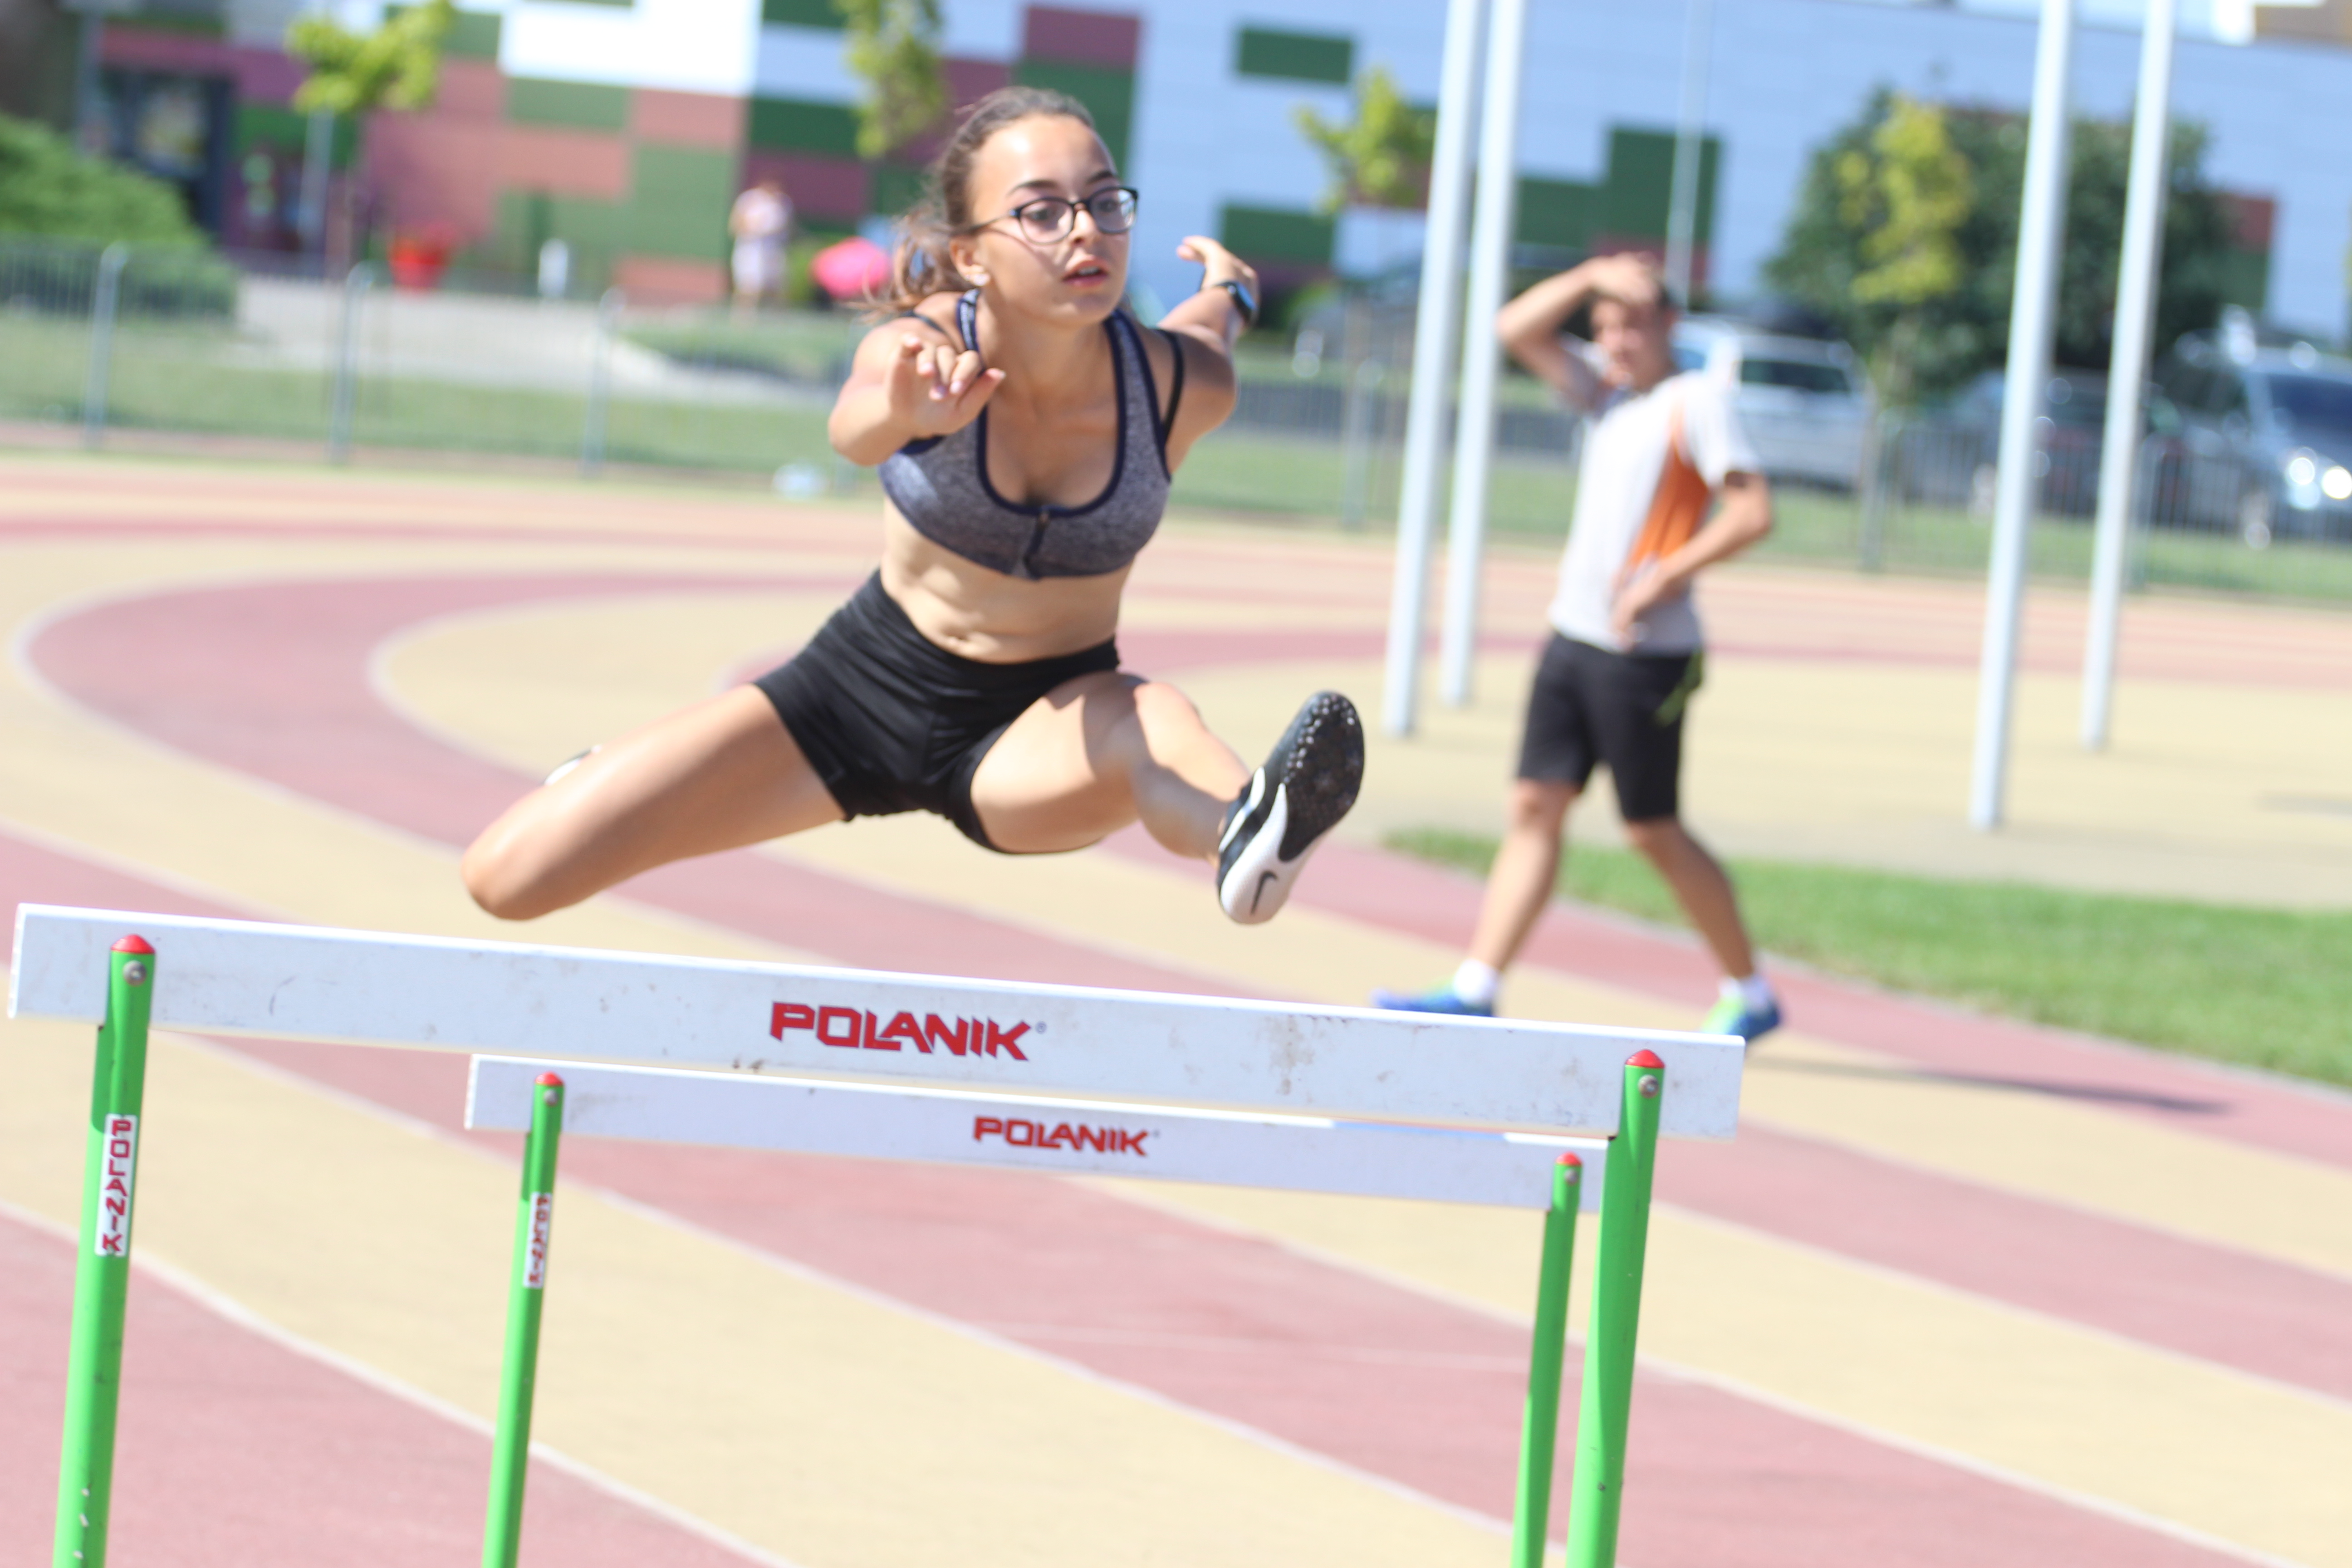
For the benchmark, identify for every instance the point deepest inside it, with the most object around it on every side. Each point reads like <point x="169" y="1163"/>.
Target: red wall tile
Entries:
<point x="429" y="169"/>
<point x="1082" y="38"/>
<point x="660" y="280"/>
<point x="688" y="119"/>
<point x="565" y="162"/>
<point x="820" y="187"/>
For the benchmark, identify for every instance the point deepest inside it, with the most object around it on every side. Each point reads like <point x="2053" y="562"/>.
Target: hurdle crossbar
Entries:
<point x="372" y="988"/>
<point x="1064" y="1137"/>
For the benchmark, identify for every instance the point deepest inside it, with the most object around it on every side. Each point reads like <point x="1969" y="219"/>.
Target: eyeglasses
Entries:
<point x="1049" y="219"/>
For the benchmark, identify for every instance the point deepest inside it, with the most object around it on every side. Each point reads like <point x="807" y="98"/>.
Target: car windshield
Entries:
<point x="1804" y="375"/>
<point x="2313" y="403"/>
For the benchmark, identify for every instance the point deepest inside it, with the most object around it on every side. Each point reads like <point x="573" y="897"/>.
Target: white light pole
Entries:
<point x="1690" y="144"/>
<point x="2127" y="369"/>
<point x="2042" y="224"/>
<point x="1482" y="356"/>
<point x="1437" y="319"/>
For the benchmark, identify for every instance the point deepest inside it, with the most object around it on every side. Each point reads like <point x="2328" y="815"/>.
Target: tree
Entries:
<point x="894" y="46"/>
<point x="47" y="187"/>
<point x="398" y="66"/>
<point x="1904" y="199"/>
<point x="1380" y="158"/>
<point x="1964" y="332"/>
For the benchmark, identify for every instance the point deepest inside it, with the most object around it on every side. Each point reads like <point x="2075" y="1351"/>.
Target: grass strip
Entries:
<point x="2264" y="988"/>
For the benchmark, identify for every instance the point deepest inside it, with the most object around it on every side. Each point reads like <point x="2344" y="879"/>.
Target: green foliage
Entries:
<point x="48" y="188"/>
<point x="2262" y="987"/>
<point x="1380" y="156"/>
<point x="1824" y="256"/>
<point x="894" y="48"/>
<point x="398" y="66"/>
<point x="1905" y="199"/>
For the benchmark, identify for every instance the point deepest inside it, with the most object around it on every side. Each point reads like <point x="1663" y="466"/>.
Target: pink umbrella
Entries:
<point x="851" y="269"/>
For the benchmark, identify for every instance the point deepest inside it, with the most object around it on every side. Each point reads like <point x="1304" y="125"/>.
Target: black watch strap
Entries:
<point x="1243" y="300"/>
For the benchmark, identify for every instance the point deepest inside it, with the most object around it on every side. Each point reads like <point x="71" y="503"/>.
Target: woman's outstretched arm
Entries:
<point x="907" y="382"/>
<point x="1207" y="325"/>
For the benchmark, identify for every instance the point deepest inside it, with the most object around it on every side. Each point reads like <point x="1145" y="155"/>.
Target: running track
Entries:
<point x="268" y="677"/>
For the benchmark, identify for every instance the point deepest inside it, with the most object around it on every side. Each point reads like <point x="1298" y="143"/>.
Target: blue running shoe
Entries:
<point x="1441" y="1000"/>
<point x="1734" y="1017"/>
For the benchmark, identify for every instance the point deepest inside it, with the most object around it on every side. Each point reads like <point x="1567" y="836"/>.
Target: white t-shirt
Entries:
<point x="1631" y="498"/>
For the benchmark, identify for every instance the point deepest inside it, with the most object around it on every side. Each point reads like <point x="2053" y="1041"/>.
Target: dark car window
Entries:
<point x="2076" y="404"/>
<point x="1804" y="375"/>
<point x="2229" y="393"/>
<point x="2314" y="405"/>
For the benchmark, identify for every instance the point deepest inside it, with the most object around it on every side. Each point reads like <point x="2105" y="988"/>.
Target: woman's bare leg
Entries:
<point x="1101" y="751"/>
<point x="722" y="775"/>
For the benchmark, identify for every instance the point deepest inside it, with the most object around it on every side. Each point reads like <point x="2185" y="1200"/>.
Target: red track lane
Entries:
<point x="116" y="673"/>
<point x="235" y="1451"/>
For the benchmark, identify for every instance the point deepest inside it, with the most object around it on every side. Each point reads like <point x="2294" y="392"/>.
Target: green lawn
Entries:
<point x="2267" y="988"/>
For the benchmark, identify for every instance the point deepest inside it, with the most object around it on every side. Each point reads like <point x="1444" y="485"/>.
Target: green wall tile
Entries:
<point x="1556" y="213"/>
<point x="275" y="125"/>
<point x="1108" y="95"/>
<point x="800" y="14"/>
<point x="1274" y="233"/>
<point x="1295" y="57"/>
<point x="680" y="203"/>
<point x="1640" y="183"/>
<point x="577" y="105"/>
<point x="797" y="125"/>
<point x="594" y="229"/>
<point x="896" y="188"/>
<point x="473" y="37"/>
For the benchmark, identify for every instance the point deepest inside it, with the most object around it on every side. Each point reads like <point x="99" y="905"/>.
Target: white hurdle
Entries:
<point x="1026" y="1077"/>
<point x="1021" y="1132"/>
<point x="308" y="983"/>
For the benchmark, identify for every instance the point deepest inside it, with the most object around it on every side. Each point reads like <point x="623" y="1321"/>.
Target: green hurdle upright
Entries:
<point x="102" y="1267"/>
<point x="1598" y="1489"/>
<point x="1599" y="1484"/>
<point x="526" y="1298"/>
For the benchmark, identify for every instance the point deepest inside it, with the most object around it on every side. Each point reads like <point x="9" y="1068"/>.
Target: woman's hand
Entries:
<point x="1218" y="263"/>
<point x="935" y="388"/>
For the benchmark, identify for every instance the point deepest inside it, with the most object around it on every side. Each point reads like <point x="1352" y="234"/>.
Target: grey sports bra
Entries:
<point x="941" y="485"/>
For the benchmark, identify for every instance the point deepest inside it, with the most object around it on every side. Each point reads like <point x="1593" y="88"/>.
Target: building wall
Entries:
<point x="625" y="125"/>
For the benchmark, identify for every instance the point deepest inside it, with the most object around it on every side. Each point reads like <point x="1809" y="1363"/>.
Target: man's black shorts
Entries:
<point x="891" y="722"/>
<point x="1624" y="710"/>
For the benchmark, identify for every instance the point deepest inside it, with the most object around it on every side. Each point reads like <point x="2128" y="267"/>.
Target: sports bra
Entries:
<point x="940" y="485"/>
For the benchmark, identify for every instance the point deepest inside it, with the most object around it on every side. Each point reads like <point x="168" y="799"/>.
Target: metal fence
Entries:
<point x="352" y="368"/>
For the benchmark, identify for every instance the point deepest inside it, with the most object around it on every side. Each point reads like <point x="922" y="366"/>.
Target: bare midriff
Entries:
<point x="986" y="615"/>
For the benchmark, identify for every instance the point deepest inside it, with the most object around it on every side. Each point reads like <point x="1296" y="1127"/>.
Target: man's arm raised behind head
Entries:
<point x="1530" y="328"/>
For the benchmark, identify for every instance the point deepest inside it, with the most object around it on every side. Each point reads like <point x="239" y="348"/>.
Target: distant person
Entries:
<point x="1613" y="683"/>
<point x="761" y="221"/>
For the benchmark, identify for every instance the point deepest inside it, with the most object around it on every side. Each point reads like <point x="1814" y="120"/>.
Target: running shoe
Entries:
<point x="1442" y="999"/>
<point x="1733" y="1017"/>
<point x="1306" y="786"/>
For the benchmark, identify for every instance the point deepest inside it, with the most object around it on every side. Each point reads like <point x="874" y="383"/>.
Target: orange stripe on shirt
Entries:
<point x="1679" y="505"/>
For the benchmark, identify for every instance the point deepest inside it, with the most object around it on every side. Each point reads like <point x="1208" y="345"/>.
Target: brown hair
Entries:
<point x="922" y="266"/>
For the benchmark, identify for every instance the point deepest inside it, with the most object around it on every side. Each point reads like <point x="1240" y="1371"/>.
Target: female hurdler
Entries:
<point x="1025" y="428"/>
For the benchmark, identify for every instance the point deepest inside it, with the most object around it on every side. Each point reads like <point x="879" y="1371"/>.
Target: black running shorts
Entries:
<point x="1624" y="711"/>
<point x="891" y="722"/>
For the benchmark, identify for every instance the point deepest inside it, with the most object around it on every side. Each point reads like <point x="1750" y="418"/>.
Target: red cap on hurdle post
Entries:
<point x="550" y="1079"/>
<point x="134" y="945"/>
<point x="1644" y="1059"/>
<point x="1568" y="1157"/>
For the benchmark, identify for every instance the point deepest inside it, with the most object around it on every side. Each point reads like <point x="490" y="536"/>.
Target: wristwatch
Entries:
<point x="1243" y="300"/>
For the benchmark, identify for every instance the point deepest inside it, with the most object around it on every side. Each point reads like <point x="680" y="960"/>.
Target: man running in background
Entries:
<point x="1625" y="657"/>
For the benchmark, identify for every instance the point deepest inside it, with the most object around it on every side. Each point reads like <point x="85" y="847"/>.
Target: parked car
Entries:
<point x="2065" y="450"/>
<point x="1802" y="401"/>
<point x="2265" y="435"/>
